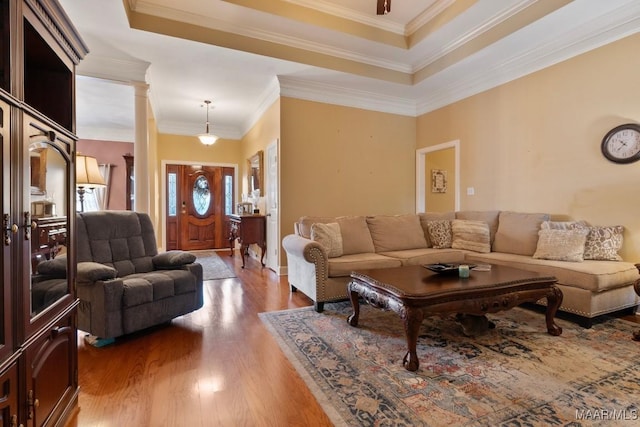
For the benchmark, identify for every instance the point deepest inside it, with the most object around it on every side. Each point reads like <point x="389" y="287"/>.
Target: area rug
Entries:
<point x="514" y="375"/>
<point x="213" y="267"/>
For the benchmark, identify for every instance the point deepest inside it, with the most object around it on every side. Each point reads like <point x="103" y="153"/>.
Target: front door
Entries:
<point x="196" y="207"/>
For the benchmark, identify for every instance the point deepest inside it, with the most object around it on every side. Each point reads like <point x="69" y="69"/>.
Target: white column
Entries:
<point x="142" y="181"/>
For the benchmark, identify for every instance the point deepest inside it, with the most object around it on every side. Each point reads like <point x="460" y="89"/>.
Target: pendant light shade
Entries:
<point x="207" y="138"/>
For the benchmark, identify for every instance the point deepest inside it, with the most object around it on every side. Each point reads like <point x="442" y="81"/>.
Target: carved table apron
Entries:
<point x="415" y="293"/>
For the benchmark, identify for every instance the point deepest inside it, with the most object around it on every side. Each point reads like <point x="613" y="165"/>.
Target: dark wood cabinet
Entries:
<point x="248" y="230"/>
<point x="39" y="49"/>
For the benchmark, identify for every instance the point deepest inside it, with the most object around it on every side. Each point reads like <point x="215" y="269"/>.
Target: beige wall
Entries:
<point x="344" y="161"/>
<point x="533" y="144"/>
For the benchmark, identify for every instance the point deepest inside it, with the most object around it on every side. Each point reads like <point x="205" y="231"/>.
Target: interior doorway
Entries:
<point x="428" y="160"/>
<point x="197" y="200"/>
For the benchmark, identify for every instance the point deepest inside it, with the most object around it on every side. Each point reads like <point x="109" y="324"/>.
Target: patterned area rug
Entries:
<point x="514" y="375"/>
<point x="212" y="266"/>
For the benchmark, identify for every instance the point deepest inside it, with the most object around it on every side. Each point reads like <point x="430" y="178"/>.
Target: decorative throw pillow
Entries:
<point x="561" y="245"/>
<point x="440" y="233"/>
<point x="470" y="235"/>
<point x="425" y="217"/>
<point x="603" y="243"/>
<point x="329" y="237"/>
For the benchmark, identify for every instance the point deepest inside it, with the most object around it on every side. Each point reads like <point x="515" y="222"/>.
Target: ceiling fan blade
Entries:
<point x="384" y="7"/>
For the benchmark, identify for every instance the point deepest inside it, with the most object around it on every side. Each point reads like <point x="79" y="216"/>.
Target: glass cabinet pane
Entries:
<point x="46" y="222"/>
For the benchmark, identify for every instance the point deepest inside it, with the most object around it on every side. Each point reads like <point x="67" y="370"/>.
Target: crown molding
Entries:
<point x="270" y="95"/>
<point x="115" y="69"/>
<point x="186" y="129"/>
<point x="340" y="95"/>
<point x="106" y="134"/>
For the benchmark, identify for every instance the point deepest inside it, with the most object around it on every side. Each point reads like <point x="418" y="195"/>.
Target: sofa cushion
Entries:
<point x="518" y="232"/>
<point x="397" y="232"/>
<point x="594" y="276"/>
<point x="329" y="237"/>
<point x="440" y="233"/>
<point x="490" y="217"/>
<point x="603" y="243"/>
<point x="425" y="217"/>
<point x="426" y="256"/>
<point x="356" y="238"/>
<point x="344" y="265"/>
<point x="561" y="245"/>
<point x="470" y="235"/>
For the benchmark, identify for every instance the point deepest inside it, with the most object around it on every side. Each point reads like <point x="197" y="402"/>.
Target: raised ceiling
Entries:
<point x="243" y="54"/>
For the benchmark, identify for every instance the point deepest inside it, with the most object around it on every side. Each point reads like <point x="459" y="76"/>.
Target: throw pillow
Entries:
<point x="563" y="225"/>
<point x="561" y="245"/>
<point x="490" y="217"/>
<point x="603" y="243"/>
<point x="425" y="217"/>
<point x="329" y="237"/>
<point x="440" y="233"/>
<point x="471" y="235"/>
<point x="396" y="232"/>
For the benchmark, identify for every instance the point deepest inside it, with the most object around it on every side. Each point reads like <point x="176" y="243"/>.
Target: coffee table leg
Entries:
<point x="554" y="299"/>
<point x="355" y="303"/>
<point x="412" y="319"/>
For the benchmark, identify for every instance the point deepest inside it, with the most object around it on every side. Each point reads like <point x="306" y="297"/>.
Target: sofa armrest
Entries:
<point x="308" y="266"/>
<point x="303" y="248"/>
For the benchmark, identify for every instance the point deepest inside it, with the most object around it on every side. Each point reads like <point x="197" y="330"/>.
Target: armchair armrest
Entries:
<point x="89" y="272"/>
<point x="173" y="259"/>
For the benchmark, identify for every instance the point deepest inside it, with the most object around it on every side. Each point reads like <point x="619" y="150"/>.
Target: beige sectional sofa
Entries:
<point x="323" y="251"/>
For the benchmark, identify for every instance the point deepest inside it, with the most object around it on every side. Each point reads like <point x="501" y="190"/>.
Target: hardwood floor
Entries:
<point x="216" y="367"/>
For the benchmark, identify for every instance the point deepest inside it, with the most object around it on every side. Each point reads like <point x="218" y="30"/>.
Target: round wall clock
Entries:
<point x="622" y="143"/>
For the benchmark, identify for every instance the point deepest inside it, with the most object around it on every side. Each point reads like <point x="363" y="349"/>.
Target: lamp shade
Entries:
<point x="87" y="172"/>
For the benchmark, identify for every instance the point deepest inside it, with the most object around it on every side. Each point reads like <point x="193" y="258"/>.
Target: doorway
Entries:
<point x="198" y="198"/>
<point x="426" y="162"/>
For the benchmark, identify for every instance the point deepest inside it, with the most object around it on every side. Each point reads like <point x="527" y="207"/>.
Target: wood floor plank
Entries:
<point x="218" y="366"/>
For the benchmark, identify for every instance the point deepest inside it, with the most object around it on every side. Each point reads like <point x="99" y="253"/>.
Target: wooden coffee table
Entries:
<point x="415" y="292"/>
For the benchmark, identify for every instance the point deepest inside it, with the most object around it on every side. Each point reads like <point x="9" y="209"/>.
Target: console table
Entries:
<point x="48" y="237"/>
<point x="248" y="229"/>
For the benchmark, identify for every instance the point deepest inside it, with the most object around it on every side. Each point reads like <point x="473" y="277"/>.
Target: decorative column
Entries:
<point x="142" y="181"/>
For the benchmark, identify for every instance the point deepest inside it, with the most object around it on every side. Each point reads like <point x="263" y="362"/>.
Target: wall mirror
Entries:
<point x="38" y="164"/>
<point x="256" y="173"/>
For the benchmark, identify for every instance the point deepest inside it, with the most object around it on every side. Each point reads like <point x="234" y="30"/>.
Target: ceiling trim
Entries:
<point x="339" y="95"/>
<point x="270" y="95"/>
<point x="202" y="29"/>
<point x="115" y="69"/>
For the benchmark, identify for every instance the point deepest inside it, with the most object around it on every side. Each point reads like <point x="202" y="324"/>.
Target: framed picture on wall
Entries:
<point x="438" y="181"/>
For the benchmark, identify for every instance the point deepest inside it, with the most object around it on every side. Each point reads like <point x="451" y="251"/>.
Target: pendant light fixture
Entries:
<point x="207" y="138"/>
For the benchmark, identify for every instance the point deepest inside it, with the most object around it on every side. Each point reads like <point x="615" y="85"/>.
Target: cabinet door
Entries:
<point x="9" y="397"/>
<point x="51" y="386"/>
<point x="47" y="199"/>
<point x="6" y="347"/>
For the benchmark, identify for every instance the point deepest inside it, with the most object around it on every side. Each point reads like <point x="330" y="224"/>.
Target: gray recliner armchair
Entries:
<point x="123" y="283"/>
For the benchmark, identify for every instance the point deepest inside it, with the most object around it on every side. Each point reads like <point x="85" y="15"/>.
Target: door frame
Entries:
<point x="421" y="156"/>
<point x="271" y="188"/>
<point x="163" y="188"/>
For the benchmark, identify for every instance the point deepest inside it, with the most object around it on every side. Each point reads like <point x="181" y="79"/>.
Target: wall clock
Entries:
<point x="622" y="143"/>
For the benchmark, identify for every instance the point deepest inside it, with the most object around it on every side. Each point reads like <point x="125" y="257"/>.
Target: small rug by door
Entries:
<point x="213" y="267"/>
<point x="514" y="375"/>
